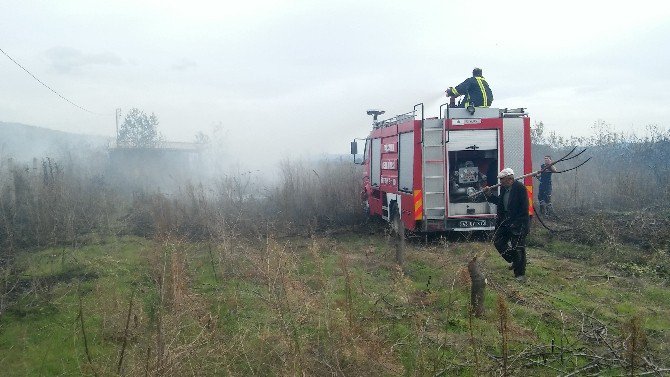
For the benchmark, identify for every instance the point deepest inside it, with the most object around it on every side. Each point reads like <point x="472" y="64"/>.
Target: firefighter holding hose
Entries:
<point x="475" y="89"/>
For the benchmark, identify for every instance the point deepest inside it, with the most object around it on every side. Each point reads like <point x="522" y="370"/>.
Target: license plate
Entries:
<point x="472" y="223"/>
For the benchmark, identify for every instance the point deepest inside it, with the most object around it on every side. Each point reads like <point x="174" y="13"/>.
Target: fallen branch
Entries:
<point x="83" y="330"/>
<point x="125" y="332"/>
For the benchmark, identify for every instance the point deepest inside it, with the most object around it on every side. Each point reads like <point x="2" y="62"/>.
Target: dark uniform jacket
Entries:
<point x="476" y="91"/>
<point x="545" y="179"/>
<point x="516" y="216"/>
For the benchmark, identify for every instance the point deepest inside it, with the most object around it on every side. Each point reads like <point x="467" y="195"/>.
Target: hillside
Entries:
<point x="23" y="142"/>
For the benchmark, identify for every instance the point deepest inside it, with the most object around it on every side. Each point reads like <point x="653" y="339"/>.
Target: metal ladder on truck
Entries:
<point x="434" y="168"/>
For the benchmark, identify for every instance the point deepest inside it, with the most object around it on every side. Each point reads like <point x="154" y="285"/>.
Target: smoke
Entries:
<point x="432" y="105"/>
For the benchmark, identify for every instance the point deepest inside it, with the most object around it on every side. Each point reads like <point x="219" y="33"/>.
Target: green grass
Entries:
<point x="40" y="332"/>
<point x="325" y="305"/>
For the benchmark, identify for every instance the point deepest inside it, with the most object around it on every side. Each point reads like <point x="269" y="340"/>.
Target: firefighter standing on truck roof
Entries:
<point x="512" y="222"/>
<point x="475" y="89"/>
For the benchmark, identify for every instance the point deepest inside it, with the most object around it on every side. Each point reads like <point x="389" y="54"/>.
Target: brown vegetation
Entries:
<point x="51" y="204"/>
<point x="225" y="284"/>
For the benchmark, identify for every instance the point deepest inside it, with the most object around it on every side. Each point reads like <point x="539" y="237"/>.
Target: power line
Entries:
<point x="48" y="87"/>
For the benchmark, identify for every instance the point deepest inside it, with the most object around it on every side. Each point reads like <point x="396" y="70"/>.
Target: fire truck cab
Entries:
<point x="421" y="173"/>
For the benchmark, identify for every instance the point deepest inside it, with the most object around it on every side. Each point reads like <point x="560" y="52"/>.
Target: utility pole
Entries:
<point x="118" y="115"/>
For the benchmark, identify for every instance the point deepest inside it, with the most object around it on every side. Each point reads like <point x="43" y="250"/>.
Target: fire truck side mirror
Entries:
<point x="354" y="153"/>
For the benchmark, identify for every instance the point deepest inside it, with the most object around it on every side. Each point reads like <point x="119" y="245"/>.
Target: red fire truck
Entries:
<point x="420" y="173"/>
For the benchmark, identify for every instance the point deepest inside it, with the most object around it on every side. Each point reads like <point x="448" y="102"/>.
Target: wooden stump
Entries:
<point x="477" y="289"/>
<point x="398" y="227"/>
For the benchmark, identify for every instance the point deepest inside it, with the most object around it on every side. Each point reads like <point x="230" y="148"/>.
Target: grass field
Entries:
<point x="332" y="304"/>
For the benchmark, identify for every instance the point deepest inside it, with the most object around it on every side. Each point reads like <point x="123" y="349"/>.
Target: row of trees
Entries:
<point x="626" y="171"/>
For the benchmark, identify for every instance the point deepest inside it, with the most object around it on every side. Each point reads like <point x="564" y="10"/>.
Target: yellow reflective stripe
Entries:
<point x="481" y="87"/>
<point x="418" y="205"/>
<point x="453" y="90"/>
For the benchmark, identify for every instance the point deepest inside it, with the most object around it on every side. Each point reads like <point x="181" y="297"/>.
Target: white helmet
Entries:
<point x="506" y="172"/>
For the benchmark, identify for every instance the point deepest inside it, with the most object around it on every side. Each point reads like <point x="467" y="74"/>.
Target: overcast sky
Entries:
<point x="280" y="76"/>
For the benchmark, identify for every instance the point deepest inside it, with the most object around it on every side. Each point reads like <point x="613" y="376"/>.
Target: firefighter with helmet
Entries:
<point x="475" y="89"/>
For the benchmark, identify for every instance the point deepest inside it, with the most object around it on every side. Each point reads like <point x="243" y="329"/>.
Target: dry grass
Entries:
<point x="51" y="205"/>
<point x="339" y="305"/>
<point x="243" y="280"/>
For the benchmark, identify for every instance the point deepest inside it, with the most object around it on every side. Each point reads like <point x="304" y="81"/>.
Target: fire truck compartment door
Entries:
<point x="472" y="140"/>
